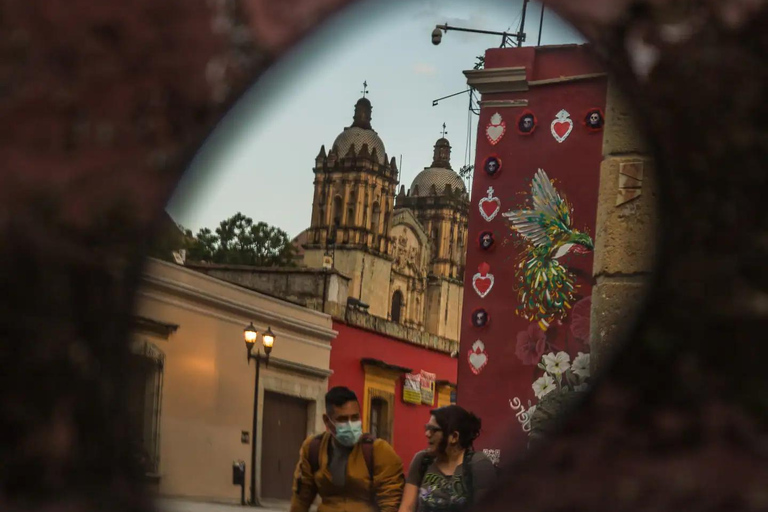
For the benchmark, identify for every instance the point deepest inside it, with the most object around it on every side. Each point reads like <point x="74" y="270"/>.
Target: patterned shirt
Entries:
<point x="439" y="492"/>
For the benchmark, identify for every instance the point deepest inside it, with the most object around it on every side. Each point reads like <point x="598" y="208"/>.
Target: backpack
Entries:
<point x="367" y="446"/>
<point x="466" y="472"/>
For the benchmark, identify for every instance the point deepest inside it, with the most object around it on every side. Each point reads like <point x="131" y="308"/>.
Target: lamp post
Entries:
<point x="250" y="334"/>
<point x="506" y="37"/>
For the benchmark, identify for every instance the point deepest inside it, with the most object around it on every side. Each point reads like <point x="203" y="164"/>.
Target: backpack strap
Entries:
<point x="314" y="459"/>
<point x="467" y="476"/>
<point x="367" y="446"/>
<point x="426" y="461"/>
<point x="314" y="453"/>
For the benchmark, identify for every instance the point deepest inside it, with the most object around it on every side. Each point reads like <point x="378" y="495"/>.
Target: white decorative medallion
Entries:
<point x="482" y="282"/>
<point x="478" y="357"/>
<point x="495" y="129"/>
<point x="562" y="126"/>
<point x="489" y="206"/>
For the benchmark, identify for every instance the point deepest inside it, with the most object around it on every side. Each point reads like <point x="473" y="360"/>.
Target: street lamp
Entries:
<point x="506" y="37"/>
<point x="250" y="335"/>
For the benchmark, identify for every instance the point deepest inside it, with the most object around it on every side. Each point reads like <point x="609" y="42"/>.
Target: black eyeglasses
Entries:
<point x="432" y="429"/>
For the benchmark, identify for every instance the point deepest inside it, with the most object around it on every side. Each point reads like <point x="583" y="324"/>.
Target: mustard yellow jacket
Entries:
<point x="357" y="494"/>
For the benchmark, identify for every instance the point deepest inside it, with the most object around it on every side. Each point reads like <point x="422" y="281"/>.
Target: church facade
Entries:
<point x="403" y="251"/>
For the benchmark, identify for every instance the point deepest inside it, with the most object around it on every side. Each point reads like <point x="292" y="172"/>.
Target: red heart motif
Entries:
<point x="490" y="207"/>
<point x="561" y="128"/>
<point x="483" y="284"/>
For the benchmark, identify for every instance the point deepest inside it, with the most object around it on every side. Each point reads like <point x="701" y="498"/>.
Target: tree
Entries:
<point x="240" y="241"/>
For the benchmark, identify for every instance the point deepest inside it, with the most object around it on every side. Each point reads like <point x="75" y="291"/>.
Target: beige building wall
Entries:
<point x="625" y="237"/>
<point x="374" y="272"/>
<point x="375" y="275"/>
<point x="444" y="312"/>
<point x="207" y="392"/>
<point x="455" y="299"/>
<point x="411" y="254"/>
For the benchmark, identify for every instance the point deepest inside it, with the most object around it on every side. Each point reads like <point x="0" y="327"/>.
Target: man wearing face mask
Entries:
<point x="349" y="470"/>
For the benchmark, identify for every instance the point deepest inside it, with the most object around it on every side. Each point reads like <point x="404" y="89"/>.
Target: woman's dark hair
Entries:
<point x="453" y="418"/>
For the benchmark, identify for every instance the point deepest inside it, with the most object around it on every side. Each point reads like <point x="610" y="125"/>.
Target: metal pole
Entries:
<point x="434" y="103"/>
<point x="446" y="28"/>
<point x="541" y="24"/>
<point x="254" y="500"/>
<point x="521" y="33"/>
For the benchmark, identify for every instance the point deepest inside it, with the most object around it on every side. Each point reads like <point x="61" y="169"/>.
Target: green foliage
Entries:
<point x="240" y="241"/>
<point x="480" y="64"/>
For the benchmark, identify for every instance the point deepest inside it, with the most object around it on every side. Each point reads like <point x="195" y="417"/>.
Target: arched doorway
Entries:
<point x="397" y="306"/>
<point x="337" y="212"/>
<point x="375" y="218"/>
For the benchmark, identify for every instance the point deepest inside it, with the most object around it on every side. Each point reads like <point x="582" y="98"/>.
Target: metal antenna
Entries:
<point x="520" y="36"/>
<point x="541" y="24"/>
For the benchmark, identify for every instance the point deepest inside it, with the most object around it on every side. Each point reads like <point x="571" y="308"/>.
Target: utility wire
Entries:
<point x="468" y="150"/>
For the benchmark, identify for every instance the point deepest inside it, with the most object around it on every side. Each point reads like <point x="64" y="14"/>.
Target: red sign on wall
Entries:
<point x="534" y="194"/>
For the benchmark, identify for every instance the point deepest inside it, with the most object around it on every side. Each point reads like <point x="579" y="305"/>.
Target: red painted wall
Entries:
<point x="353" y="344"/>
<point x="574" y="165"/>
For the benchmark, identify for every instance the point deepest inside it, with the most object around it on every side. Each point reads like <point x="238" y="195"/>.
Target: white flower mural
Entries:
<point x="543" y="386"/>
<point x="557" y="364"/>
<point x="581" y="365"/>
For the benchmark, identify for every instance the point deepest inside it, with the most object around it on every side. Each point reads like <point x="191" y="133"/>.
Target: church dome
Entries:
<point x="439" y="174"/>
<point x="439" y="177"/>
<point x="355" y="136"/>
<point x="360" y="133"/>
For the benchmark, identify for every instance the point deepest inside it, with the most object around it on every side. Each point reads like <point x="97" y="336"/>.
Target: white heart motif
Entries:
<point x="478" y="358"/>
<point x="496" y="129"/>
<point x="477" y="277"/>
<point x="489" y="199"/>
<point x="563" y="117"/>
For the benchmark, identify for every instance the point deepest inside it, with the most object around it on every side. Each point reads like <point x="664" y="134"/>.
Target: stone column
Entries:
<point x="625" y="230"/>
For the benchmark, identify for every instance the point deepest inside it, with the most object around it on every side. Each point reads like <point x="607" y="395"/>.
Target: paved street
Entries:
<point x="176" y="505"/>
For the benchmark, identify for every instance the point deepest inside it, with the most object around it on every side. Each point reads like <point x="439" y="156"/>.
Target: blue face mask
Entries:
<point x="347" y="434"/>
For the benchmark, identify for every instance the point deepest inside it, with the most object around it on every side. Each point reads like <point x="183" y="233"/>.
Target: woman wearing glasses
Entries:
<point x="449" y="475"/>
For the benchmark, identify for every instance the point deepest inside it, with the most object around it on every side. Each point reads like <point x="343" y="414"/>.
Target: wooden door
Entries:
<point x="284" y="428"/>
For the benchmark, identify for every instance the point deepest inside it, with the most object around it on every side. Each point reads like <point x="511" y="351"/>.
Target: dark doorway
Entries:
<point x="375" y="218"/>
<point x="337" y="212"/>
<point x="397" y="306"/>
<point x="284" y="428"/>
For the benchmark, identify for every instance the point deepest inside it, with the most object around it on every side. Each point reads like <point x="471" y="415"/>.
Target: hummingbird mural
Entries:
<point x="546" y="290"/>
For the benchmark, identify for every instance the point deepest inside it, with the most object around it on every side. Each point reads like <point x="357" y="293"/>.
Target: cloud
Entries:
<point x="422" y="68"/>
<point x="430" y="9"/>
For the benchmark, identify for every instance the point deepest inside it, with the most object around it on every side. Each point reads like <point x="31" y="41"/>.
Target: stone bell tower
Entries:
<point x="438" y="199"/>
<point x="354" y="189"/>
<point x="355" y="185"/>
